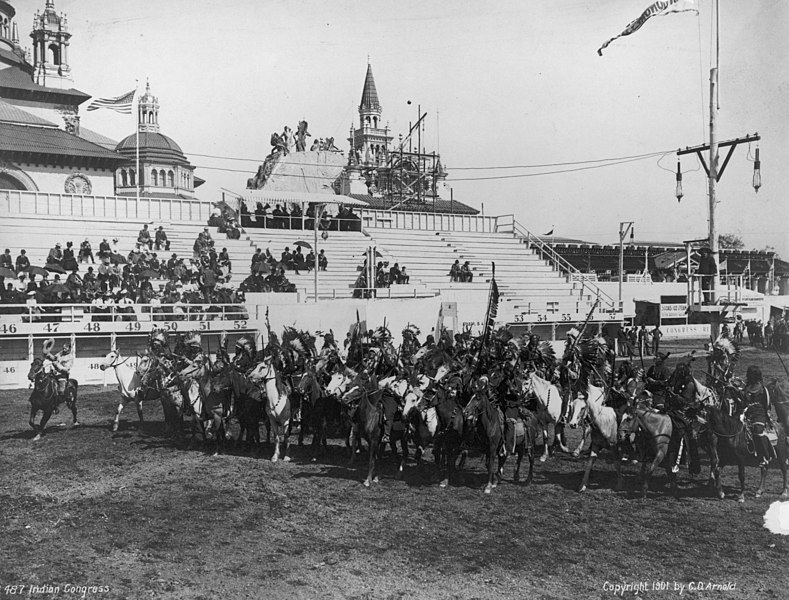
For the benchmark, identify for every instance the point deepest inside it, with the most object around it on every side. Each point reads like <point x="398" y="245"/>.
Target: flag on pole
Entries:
<point x="550" y="233"/>
<point x="439" y="322"/>
<point x="121" y="104"/>
<point x="657" y="9"/>
<point x="493" y="308"/>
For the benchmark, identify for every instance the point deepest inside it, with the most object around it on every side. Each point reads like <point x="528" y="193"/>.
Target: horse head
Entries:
<point x="576" y="411"/>
<point x="112" y="359"/>
<point x="36" y="367"/>
<point x="413" y="400"/>
<point x="339" y="382"/>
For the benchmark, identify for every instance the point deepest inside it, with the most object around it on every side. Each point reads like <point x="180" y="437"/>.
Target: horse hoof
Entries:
<point x="376" y="480"/>
<point x="314" y="459"/>
<point x="274" y="459"/>
<point x="741" y="499"/>
<point x="721" y="496"/>
<point x="444" y="483"/>
<point x="582" y="489"/>
<point x="38" y="437"/>
<point x="543" y="459"/>
<point x="576" y="453"/>
<point x="76" y="424"/>
<point x="488" y="489"/>
<point x="114" y="427"/>
<point x="366" y="483"/>
<point x="758" y="494"/>
<point x="286" y="459"/>
<point x="785" y="494"/>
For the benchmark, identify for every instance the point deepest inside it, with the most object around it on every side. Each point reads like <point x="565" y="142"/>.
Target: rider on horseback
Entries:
<point x="757" y="413"/>
<point x="244" y="358"/>
<point x="658" y="378"/>
<point x="682" y="405"/>
<point x="159" y="346"/>
<point x="61" y="363"/>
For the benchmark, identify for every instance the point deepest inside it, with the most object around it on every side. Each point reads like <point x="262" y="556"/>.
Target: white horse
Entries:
<point x="605" y="427"/>
<point x="277" y="404"/>
<point x="578" y="414"/>
<point x="129" y="382"/>
<point x="550" y="397"/>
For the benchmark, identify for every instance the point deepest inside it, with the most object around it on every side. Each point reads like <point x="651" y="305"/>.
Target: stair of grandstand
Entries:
<point x="527" y="283"/>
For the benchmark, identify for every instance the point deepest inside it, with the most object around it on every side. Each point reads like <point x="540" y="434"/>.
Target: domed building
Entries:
<point x="164" y="170"/>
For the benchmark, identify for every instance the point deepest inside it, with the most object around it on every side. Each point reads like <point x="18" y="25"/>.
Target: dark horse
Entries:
<point x="727" y="441"/>
<point x="248" y="407"/>
<point x="486" y="420"/>
<point x="45" y="397"/>
<point x="367" y="420"/>
<point x="317" y="408"/>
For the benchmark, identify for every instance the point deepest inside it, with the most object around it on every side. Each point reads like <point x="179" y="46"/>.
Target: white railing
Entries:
<point x="395" y="219"/>
<point x="508" y="224"/>
<point x="729" y="289"/>
<point x="17" y="202"/>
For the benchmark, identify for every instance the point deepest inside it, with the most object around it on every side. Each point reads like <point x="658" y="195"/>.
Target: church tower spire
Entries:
<point x="50" y="48"/>
<point x="370" y="143"/>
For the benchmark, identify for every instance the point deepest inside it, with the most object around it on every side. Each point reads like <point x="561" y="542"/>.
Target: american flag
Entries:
<point x="121" y="104"/>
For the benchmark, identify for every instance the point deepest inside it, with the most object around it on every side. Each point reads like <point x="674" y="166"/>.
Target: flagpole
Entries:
<point x="713" y="174"/>
<point x="137" y="132"/>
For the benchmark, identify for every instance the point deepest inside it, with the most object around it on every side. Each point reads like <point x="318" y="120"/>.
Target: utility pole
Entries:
<point x="714" y="174"/>
<point x="625" y="227"/>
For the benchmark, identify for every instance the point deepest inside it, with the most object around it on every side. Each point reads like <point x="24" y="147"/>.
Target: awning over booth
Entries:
<point x="252" y="197"/>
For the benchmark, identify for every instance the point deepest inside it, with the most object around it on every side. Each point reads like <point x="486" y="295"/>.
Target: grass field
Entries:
<point x="130" y="512"/>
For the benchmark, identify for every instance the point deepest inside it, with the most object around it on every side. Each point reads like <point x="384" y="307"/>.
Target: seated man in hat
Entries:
<point x="162" y="243"/>
<point x="55" y="256"/>
<point x="86" y="252"/>
<point x="144" y="237"/>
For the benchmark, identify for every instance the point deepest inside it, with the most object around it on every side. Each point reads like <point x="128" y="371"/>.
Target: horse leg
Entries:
<point x="404" y="458"/>
<point x="33" y="412"/>
<point x="618" y="462"/>
<point x="42" y="425"/>
<point x="741" y="474"/>
<point x="560" y="438"/>
<point x="73" y="406"/>
<point x="544" y="456"/>
<point x="373" y="451"/>
<point x="517" y="476"/>
<point x="589" y="465"/>
<point x="286" y="434"/>
<point x="139" y="411"/>
<point x="276" y="429"/>
<point x="117" y="419"/>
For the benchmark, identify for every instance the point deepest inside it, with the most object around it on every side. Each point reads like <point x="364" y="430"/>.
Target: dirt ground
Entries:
<point x="136" y="517"/>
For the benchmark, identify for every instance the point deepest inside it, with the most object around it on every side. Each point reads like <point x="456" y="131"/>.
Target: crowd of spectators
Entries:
<point x="117" y="282"/>
<point x="284" y="217"/>
<point x="385" y="276"/>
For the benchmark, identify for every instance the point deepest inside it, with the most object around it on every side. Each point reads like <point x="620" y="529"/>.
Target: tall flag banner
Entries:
<point x="121" y="104"/>
<point x="439" y="322"/>
<point x="493" y="308"/>
<point x="658" y="9"/>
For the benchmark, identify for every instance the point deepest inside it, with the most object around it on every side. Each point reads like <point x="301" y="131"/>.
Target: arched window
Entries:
<point x="162" y="178"/>
<point x="132" y="177"/>
<point x="367" y="120"/>
<point x="54" y="50"/>
<point x="170" y="179"/>
<point x="154" y="177"/>
<point x="124" y="178"/>
<point x="375" y="122"/>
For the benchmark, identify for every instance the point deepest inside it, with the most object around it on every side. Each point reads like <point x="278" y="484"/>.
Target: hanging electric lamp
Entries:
<point x="678" y="192"/>
<point x="757" y="174"/>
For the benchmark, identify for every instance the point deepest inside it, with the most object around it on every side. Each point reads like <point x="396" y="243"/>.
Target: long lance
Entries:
<point x="586" y="322"/>
<point x="783" y="364"/>
<point x="641" y="353"/>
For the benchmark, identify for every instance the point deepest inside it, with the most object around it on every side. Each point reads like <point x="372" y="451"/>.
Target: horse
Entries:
<point x="604" y="425"/>
<point x="487" y="420"/>
<point x="319" y="406"/>
<point x="394" y="391"/>
<point x="216" y="390"/>
<point x="727" y="442"/>
<point x="780" y="400"/>
<point x="247" y="402"/>
<point x="128" y="372"/>
<point x="45" y="397"/>
<point x="578" y="414"/>
<point x="336" y="388"/>
<point x="656" y="438"/>
<point x="277" y="404"/>
<point x="550" y="399"/>
<point x="367" y="419"/>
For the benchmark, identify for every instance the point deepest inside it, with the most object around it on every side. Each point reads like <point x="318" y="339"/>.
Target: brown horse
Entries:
<point x="317" y="409"/>
<point x="727" y="442"/>
<point x="367" y="420"/>
<point x="485" y="419"/>
<point x="45" y="397"/>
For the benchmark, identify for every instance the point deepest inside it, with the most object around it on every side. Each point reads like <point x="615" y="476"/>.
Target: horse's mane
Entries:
<point x="542" y="390"/>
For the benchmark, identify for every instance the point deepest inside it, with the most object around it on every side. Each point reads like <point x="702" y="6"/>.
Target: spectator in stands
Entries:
<point x="144" y="237"/>
<point x="309" y="260"/>
<point x="104" y="249"/>
<point x="309" y="222"/>
<point x="74" y="283"/>
<point x="262" y="215"/>
<point x="643" y="336"/>
<point x="287" y="260"/>
<point x="246" y="220"/>
<point x="162" y="243"/>
<point x="215" y="220"/>
<point x="257" y="257"/>
<point x="6" y="261"/>
<point x="207" y="283"/>
<point x="55" y="256"/>
<point x="85" y="252"/>
<point x="89" y="282"/>
<point x="22" y="262"/>
<point x="296" y="217"/>
<point x="224" y="260"/>
<point x="69" y="261"/>
<point x="394" y="274"/>
<point x="454" y="271"/>
<point x="465" y="273"/>
<point x="323" y="262"/>
<point x="326" y="221"/>
<point x="114" y="247"/>
<point x="276" y="217"/>
<point x="404" y="277"/>
<point x="298" y="258"/>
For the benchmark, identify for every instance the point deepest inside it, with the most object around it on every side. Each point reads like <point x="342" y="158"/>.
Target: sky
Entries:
<point x="504" y="84"/>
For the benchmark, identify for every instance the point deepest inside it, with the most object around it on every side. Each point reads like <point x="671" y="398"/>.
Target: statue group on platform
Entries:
<point x="283" y="144"/>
